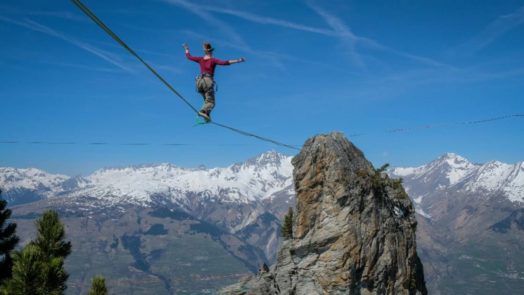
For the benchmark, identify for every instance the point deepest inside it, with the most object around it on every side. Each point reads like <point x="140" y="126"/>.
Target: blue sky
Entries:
<point x="360" y="67"/>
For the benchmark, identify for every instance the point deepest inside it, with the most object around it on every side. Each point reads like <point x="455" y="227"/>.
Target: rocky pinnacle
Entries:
<point x="353" y="229"/>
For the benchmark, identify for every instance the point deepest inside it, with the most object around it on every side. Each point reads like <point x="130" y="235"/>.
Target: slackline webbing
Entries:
<point x="443" y="125"/>
<point x="105" y="143"/>
<point x="388" y="131"/>
<point x="95" y="19"/>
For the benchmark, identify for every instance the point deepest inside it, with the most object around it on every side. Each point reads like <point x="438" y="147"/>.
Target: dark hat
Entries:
<point x="207" y="47"/>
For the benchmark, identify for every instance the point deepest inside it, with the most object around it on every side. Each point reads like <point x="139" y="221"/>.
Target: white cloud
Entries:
<point x="18" y="13"/>
<point x="37" y="27"/>
<point x="346" y="34"/>
<point x="81" y="66"/>
<point x="343" y="31"/>
<point x="270" y="21"/>
<point x="494" y="30"/>
<point x="222" y="26"/>
<point x="59" y="14"/>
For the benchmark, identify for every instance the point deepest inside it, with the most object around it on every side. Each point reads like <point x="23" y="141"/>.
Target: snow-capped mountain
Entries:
<point x="473" y="211"/>
<point x="471" y="225"/>
<point x="27" y="185"/>
<point x="246" y="199"/>
<point x="254" y="180"/>
<point x="496" y="176"/>
<point x="257" y="179"/>
<point x="454" y="171"/>
<point x="31" y="179"/>
<point x="446" y="170"/>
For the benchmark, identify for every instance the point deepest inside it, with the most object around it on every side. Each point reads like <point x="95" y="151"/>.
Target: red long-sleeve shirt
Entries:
<point x="207" y="66"/>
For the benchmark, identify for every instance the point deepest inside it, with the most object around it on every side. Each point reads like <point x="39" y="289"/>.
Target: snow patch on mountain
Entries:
<point x="422" y="213"/>
<point x="258" y="179"/>
<point x="496" y="176"/>
<point x="458" y="167"/>
<point x="253" y="180"/>
<point x="452" y="166"/>
<point x="30" y="179"/>
<point x="452" y="170"/>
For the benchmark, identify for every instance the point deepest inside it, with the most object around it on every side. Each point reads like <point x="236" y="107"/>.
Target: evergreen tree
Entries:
<point x="98" y="286"/>
<point x="50" y="240"/>
<point x="8" y="241"/>
<point x="50" y="236"/>
<point x="39" y="268"/>
<point x="28" y="272"/>
<point x="287" y="227"/>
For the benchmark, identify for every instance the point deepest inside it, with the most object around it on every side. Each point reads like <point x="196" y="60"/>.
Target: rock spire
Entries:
<point x="353" y="230"/>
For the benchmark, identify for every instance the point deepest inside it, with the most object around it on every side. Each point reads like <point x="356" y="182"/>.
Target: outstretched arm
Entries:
<point x="188" y="55"/>
<point x="235" y="61"/>
<point x="228" y="62"/>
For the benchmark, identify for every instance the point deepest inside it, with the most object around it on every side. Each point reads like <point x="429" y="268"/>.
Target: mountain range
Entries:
<point x="138" y="223"/>
<point x="471" y="224"/>
<point x="127" y="222"/>
<point x="254" y="180"/>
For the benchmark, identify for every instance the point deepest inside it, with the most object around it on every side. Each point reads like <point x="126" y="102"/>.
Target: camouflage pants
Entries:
<point x="206" y="87"/>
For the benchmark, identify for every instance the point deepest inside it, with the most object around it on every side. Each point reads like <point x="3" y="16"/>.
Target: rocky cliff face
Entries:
<point x="353" y="231"/>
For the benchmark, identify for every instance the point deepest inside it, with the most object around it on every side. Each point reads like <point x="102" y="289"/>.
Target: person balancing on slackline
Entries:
<point x="205" y="82"/>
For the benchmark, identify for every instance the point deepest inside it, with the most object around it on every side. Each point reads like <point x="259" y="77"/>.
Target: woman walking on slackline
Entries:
<point x="205" y="82"/>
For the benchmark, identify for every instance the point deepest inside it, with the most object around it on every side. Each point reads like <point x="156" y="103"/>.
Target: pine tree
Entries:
<point x="50" y="240"/>
<point x="39" y="268"/>
<point x="8" y="241"/>
<point x="98" y="286"/>
<point x="287" y="227"/>
<point x="50" y="237"/>
<point x="29" y="270"/>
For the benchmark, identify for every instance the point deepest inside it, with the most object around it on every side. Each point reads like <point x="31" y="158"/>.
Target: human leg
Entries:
<point x="206" y="89"/>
